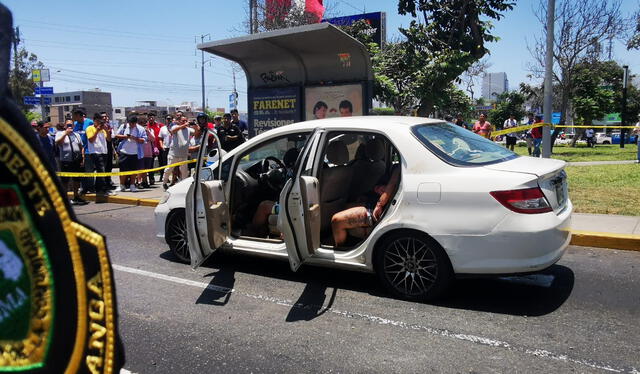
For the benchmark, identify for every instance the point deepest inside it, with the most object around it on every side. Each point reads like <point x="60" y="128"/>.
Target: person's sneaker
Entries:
<point x="144" y="185"/>
<point x="80" y="201"/>
<point x="134" y="188"/>
<point x="113" y="187"/>
<point x="165" y="186"/>
<point x="121" y="188"/>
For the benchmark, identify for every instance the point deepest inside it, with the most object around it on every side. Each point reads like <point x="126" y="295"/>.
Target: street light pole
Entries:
<point x="623" y="117"/>
<point x="202" y="70"/>
<point x="548" y="81"/>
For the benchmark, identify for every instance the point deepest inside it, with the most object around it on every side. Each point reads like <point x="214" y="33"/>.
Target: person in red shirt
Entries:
<point x="482" y="127"/>
<point x="536" y="134"/>
<point x="154" y="127"/>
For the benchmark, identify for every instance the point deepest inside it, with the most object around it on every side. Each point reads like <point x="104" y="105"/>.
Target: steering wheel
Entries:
<point x="266" y="166"/>
<point x="273" y="177"/>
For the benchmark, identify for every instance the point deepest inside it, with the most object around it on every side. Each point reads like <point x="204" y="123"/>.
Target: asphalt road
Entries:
<point x="244" y="314"/>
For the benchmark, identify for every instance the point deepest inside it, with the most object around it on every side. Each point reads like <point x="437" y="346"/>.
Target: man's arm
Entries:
<point x="92" y="133"/>
<point x="60" y="139"/>
<point x="176" y="128"/>
<point x="389" y="191"/>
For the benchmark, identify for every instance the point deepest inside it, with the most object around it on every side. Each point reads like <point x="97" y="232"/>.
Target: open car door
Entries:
<point x="300" y="221"/>
<point x="207" y="211"/>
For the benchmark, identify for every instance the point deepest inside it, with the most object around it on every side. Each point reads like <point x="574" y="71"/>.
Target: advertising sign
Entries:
<point x="273" y="107"/>
<point x="377" y="20"/>
<point x="333" y="101"/>
<point x="35" y="75"/>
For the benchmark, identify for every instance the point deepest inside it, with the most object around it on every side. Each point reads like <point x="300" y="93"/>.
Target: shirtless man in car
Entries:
<point x="366" y="212"/>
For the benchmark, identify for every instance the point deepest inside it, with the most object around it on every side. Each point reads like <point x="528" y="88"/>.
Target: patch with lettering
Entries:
<point x="58" y="309"/>
<point x="26" y="289"/>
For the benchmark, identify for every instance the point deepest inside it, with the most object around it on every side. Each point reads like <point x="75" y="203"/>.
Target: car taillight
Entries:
<point x="528" y="200"/>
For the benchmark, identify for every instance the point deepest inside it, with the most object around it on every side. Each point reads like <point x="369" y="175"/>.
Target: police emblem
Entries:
<point x="57" y="296"/>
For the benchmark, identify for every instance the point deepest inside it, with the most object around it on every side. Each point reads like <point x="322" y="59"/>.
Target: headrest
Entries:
<point x="360" y="153"/>
<point x="375" y="149"/>
<point x="337" y="153"/>
<point x="290" y="157"/>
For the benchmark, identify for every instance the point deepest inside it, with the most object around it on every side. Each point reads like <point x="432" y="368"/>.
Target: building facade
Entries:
<point x="63" y="104"/>
<point x="494" y="84"/>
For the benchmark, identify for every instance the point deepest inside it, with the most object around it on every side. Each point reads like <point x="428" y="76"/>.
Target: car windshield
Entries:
<point x="460" y="147"/>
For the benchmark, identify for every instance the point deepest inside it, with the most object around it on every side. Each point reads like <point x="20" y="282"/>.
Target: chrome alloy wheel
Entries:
<point x="410" y="266"/>
<point x="177" y="236"/>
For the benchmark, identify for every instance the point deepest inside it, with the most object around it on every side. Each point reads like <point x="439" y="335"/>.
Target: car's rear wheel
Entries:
<point x="176" y="235"/>
<point x="413" y="266"/>
<point x="606" y="142"/>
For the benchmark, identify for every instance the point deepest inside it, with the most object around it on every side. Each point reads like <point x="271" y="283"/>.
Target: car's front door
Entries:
<point x="207" y="211"/>
<point x="300" y="199"/>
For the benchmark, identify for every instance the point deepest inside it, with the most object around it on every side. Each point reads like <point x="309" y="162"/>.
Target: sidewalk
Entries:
<point x="590" y="163"/>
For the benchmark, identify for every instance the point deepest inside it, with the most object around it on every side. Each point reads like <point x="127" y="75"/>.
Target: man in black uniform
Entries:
<point x="229" y="134"/>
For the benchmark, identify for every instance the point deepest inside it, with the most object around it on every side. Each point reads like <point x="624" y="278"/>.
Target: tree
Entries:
<point x="475" y="71"/>
<point x="509" y="103"/>
<point x="442" y="41"/>
<point x="20" y="82"/>
<point x="634" y="41"/>
<point x="594" y="94"/>
<point x="580" y="26"/>
<point x="453" y="101"/>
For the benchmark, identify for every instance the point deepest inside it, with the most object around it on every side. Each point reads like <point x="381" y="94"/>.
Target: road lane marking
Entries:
<point x="540" y="353"/>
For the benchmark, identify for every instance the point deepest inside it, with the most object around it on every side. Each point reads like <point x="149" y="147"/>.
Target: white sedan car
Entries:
<point x="462" y="204"/>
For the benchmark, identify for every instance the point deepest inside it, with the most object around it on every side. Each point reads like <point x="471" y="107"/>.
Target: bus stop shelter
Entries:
<point x="300" y="73"/>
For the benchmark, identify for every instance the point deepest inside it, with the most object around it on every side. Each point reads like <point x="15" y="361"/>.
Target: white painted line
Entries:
<point x="540" y="353"/>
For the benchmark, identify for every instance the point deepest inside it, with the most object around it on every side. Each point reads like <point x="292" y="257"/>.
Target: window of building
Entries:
<point x="56" y="99"/>
<point x="76" y="98"/>
<point x="67" y="99"/>
<point x="118" y="111"/>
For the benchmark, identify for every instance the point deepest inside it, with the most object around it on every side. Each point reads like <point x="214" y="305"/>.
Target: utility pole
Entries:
<point x="16" y="41"/>
<point x="202" y="69"/>
<point x="251" y="16"/>
<point x="623" y="117"/>
<point x="548" y="81"/>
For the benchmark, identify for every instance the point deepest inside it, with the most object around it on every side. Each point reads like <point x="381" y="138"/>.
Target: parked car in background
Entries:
<point x="603" y="138"/>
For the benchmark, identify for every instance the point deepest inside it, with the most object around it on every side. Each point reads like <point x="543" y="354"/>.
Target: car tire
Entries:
<point x="176" y="235"/>
<point x="606" y="142"/>
<point x="413" y="266"/>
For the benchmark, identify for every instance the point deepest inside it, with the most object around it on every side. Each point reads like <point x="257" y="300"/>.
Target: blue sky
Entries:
<point x="145" y="50"/>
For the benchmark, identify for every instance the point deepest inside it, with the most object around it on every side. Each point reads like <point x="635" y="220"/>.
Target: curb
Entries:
<point x="119" y="200"/>
<point x="580" y="238"/>
<point x="605" y="240"/>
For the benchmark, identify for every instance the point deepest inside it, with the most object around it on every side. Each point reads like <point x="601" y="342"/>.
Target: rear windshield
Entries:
<point x="460" y="147"/>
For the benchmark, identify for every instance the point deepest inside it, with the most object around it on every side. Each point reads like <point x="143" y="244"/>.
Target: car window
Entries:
<point x="274" y="148"/>
<point x="460" y="147"/>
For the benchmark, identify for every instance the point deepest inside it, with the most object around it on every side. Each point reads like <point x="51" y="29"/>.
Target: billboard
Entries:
<point x="377" y="20"/>
<point x="333" y="101"/>
<point x="273" y="107"/>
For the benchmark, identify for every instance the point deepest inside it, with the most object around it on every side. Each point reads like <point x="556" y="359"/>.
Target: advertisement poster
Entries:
<point x="377" y="21"/>
<point x="273" y="107"/>
<point x="333" y="101"/>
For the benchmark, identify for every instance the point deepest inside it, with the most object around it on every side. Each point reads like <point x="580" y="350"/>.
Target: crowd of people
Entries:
<point x="482" y="127"/>
<point x="84" y="145"/>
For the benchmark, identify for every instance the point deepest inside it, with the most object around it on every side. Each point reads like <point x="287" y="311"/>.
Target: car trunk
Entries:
<point x="552" y="179"/>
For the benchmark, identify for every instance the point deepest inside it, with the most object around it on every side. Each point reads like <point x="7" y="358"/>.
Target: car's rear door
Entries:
<point x="300" y="205"/>
<point x="207" y="211"/>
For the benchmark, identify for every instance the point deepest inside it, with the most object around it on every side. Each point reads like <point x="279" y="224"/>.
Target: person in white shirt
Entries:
<point x="178" y="149"/>
<point x="98" y="136"/>
<point x="71" y="156"/>
<point x="164" y="139"/>
<point x="510" y="137"/>
<point x="130" y="152"/>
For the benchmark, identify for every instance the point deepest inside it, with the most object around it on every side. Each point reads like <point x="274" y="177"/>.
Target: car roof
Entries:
<point x="380" y="123"/>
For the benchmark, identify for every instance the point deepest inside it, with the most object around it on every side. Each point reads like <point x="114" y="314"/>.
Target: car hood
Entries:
<point x="529" y="165"/>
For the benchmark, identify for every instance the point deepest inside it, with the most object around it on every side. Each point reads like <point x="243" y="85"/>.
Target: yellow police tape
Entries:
<point x="135" y="172"/>
<point x="527" y="127"/>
